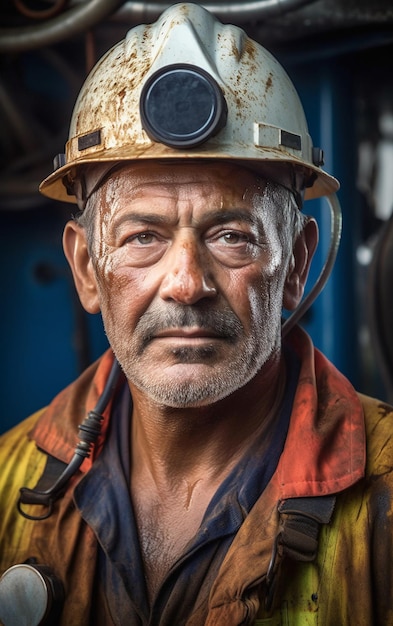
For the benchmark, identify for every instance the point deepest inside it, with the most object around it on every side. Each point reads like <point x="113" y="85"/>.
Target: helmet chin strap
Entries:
<point x="335" y="236"/>
<point x="82" y="186"/>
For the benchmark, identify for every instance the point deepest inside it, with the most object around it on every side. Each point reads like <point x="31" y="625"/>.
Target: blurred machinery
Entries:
<point x="339" y="54"/>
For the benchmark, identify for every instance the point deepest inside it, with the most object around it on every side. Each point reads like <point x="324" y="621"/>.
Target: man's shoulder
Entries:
<point x="18" y="451"/>
<point x="21" y="461"/>
<point x="378" y="417"/>
<point x="19" y="434"/>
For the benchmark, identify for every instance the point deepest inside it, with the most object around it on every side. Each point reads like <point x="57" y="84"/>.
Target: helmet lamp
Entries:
<point x="182" y="106"/>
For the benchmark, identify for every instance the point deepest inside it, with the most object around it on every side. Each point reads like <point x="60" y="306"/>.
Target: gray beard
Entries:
<point x="224" y="378"/>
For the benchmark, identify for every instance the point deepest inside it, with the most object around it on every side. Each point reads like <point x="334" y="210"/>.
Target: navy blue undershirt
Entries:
<point x="103" y="498"/>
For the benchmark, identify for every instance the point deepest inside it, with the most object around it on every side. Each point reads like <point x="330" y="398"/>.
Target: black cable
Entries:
<point x="335" y="237"/>
<point x="89" y="432"/>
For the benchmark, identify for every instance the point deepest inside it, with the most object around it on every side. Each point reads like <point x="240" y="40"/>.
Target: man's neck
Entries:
<point x="179" y="458"/>
<point x="179" y="443"/>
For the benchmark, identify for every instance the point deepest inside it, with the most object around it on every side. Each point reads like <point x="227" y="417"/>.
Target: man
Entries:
<point x="230" y="481"/>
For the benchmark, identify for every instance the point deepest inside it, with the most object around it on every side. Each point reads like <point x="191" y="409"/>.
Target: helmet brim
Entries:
<point x="320" y="183"/>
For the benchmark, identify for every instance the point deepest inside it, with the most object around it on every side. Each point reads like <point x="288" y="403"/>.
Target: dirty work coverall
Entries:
<point x="338" y="442"/>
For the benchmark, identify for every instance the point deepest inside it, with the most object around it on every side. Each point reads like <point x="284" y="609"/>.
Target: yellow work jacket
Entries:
<point x="339" y="442"/>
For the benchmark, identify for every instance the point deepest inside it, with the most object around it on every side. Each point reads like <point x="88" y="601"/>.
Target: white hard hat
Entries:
<point x="189" y="86"/>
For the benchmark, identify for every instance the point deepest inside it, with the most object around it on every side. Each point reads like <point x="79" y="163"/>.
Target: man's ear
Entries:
<point x="303" y="252"/>
<point x="76" y="252"/>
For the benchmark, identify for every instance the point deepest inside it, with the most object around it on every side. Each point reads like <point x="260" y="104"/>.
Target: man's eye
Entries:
<point x="143" y="248"/>
<point x="143" y="238"/>
<point x="234" y="248"/>
<point x="234" y="238"/>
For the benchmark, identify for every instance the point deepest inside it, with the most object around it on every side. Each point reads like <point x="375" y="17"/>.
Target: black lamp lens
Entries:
<point x="182" y="106"/>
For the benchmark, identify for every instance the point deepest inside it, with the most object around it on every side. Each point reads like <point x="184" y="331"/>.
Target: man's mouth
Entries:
<point x="189" y="333"/>
<point x="188" y="338"/>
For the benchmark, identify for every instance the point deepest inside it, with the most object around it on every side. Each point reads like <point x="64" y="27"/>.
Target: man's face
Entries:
<point x="190" y="272"/>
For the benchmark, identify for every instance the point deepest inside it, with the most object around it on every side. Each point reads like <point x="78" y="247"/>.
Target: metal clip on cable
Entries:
<point x="89" y="432"/>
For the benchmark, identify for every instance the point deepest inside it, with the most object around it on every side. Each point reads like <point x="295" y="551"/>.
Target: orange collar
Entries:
<point x="56" y="432"/>
<point x="324" y="450"/>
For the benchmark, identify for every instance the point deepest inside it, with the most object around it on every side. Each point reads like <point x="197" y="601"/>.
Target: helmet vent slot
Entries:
<point x="290" y="140"/>
<point x="89" y="140"/>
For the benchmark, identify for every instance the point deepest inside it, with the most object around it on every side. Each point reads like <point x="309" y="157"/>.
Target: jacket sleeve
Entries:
<point x="351" y="581"/>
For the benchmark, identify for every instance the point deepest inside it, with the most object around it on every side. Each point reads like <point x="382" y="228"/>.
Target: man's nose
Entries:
<point x="187" y="279"/>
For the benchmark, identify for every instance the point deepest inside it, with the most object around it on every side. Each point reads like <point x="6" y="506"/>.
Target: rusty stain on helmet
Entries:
<point x="261" y="100"/>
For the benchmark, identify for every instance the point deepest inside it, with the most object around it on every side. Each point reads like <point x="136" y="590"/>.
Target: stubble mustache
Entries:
<point x="222" y="323"/>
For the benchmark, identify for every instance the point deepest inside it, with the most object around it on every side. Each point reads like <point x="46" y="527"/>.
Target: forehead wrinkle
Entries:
<point x="214" y="216"/>
<point x="122" y="190"/>
<point x="134" y="187"/>
<point x="127" y="193"/>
